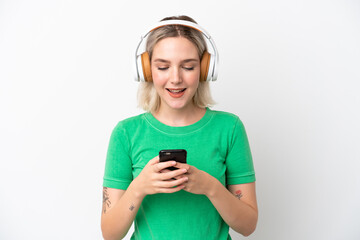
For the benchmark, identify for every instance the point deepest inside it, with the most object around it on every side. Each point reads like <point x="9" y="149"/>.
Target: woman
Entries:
<point x="215" y="189"/>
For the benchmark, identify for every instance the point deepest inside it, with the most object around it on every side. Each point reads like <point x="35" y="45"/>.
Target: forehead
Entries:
<point x="175" y="48"/>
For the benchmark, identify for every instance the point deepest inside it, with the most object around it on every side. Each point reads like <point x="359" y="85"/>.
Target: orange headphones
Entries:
<point x="208" y="63"/>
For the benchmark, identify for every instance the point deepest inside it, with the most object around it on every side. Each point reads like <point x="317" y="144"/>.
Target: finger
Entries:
<point x="165" y="171"/>
<point x="173" y="174"/>
<point x="183" y="165"/>
<point x="172" y="183"/>
<point x="171" y="190"/>
<point x="178" y="177"/>
<point x="153" y="161"/>
<point x="162" y="165"/>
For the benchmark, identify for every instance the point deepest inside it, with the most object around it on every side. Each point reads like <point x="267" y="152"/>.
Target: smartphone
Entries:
<point x="178" y="155"/>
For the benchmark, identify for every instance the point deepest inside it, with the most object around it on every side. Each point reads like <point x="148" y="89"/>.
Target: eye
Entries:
<point x="162" y="68"/>
<point x="188" y="68"/>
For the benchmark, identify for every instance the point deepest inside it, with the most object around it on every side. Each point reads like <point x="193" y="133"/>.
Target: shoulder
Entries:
<point x="129" y="123"/>
<point x="132" y="120"/>
<point x="228" y="122"/>
<point x="226" y="117"/>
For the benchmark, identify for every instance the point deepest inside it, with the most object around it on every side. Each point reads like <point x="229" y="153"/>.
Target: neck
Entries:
<point x="179" y="117"/>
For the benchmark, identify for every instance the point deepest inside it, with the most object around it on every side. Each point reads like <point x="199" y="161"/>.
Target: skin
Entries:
<point x="175" y="65"/>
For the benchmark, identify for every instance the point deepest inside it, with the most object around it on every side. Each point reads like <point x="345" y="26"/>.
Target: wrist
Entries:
<point x="136" y="190"/>
<point x="213" y="186"/>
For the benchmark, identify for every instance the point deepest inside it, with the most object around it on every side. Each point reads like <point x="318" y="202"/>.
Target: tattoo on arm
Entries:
<point x="106" y="200"/>
<point x="132" y="207"/>
<point x="238" y="194"/>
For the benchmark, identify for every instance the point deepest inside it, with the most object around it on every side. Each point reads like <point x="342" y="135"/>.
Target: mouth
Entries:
<point x="176" y="92"/>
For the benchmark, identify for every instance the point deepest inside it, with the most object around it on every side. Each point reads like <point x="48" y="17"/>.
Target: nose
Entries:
<point x="176" y="76"/>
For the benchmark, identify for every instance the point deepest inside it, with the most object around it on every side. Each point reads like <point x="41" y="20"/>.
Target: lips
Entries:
<point x="176" y="92"/>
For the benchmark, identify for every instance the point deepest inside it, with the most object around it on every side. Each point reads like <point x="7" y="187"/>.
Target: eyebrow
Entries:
<point x="184" y="61"/>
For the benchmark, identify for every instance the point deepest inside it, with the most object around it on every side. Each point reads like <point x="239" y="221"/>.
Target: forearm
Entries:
<point x="117" y="220"/>
<point x="237" y="214"/>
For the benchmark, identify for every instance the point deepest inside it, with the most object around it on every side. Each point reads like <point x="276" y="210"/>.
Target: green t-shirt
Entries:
<point x="216" y="144"/>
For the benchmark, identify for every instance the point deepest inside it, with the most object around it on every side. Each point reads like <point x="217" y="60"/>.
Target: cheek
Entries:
<point x="158" y="79"/>
<point x="194" y="76"/>
<point x="194" y="79"/>
<point x="158" y="76"/>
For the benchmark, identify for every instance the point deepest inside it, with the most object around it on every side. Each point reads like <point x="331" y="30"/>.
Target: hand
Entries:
<point x="153" y="179"/>
<point x="199" y="182"/>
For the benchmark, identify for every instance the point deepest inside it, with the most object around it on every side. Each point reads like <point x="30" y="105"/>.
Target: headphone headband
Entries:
<point x="139" y="76"/>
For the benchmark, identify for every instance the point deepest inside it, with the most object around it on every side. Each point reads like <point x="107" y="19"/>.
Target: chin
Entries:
<point x="177" y="106"/>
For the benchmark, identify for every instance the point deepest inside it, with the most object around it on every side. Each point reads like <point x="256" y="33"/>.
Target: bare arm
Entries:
<point x="121" y="206"/>
<point x="236" y="205"/>
<point x="118" y="212"/>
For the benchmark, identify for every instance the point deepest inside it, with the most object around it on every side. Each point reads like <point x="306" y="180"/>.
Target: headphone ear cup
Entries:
<point x="146" y="67"/>
<point x="204" y="66"/>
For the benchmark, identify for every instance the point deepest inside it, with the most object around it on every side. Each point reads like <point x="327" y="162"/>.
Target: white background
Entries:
<point x="289" y="70"/>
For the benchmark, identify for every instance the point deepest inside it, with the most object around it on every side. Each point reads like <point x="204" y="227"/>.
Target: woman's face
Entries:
<point x="175" y="67"/>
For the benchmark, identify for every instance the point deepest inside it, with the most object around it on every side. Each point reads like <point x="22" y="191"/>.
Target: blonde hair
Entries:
<point x="148" y="98"/>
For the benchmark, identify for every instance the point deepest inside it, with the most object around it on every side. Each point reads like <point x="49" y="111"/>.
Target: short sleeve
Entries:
<point x="118" y="167"/>
<point x="239" y="164"/>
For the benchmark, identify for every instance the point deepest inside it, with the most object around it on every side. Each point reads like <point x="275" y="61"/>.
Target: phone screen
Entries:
<point x="178" y="155"/>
